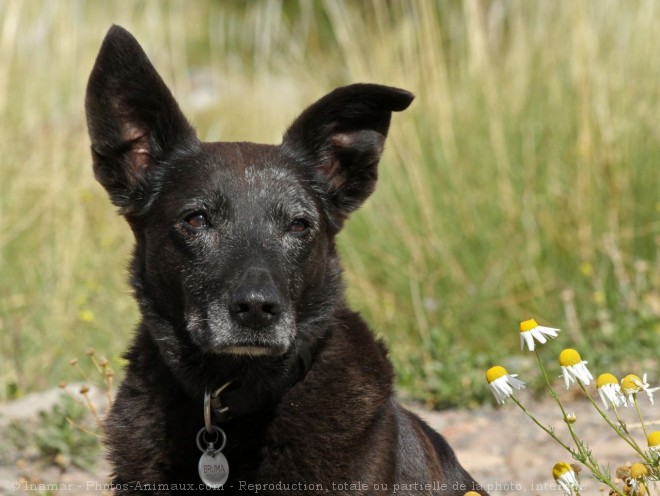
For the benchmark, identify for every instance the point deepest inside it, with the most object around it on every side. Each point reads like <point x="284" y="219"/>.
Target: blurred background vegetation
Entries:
<point x="523" y="182"/>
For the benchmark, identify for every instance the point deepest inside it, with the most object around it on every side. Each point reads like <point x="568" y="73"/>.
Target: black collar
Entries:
<point x="238" y="398"/>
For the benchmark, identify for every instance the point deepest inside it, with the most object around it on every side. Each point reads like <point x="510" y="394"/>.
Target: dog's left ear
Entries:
<point x="342" y="136"/>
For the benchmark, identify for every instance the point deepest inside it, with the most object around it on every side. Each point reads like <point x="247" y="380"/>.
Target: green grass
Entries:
<point x="523" y="182"/>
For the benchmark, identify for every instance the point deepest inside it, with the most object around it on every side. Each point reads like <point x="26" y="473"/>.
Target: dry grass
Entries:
<point x="523" y="181"/>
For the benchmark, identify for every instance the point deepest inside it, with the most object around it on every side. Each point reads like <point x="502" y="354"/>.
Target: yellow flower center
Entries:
<point x="654" y="439"/>
<point x="495" y="372"/>
<point x="604" y="379"/>
<point x="472" y="493"/>
<point x="560" y="469"/>
<point x="638" y="470"/>
<point x="528" y="325"/>
<point x="569" y="357"/>
<point x="631" y="383"/>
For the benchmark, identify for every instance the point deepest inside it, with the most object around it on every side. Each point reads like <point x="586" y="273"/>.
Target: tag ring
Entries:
<point x="201" y="435"/>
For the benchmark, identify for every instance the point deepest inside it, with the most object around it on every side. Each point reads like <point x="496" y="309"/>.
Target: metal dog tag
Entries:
<point x="213" y="469"/>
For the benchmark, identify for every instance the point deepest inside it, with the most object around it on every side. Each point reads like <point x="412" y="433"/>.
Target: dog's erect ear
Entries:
<point x="133" y="120"/>
<point x="342" y="136"/>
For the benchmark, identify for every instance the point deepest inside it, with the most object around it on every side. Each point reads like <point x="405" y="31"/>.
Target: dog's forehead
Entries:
<point x="258" y="173"/>
<point x="270" y="180"/>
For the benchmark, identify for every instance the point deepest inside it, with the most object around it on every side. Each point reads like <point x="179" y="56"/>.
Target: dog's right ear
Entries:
<point x="134" y="121"/>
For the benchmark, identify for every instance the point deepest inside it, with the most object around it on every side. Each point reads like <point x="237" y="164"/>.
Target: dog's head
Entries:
<point x="234" y="241"/>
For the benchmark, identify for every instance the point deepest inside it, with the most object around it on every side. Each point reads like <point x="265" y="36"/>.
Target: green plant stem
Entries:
<point x="545" y="429"/>
<point x="584" y="456"/>
<point x="108" y="389"/>
<point x="627" y="438"/>
<point x="639" y="414"/>
<point x="556" y="398"/>
<point x="92" y="409"/>
<point x="576" y="455"/>
<point x="73" y="424"/>
<point x="96" y="364"/>
<point x="82" y="372"/>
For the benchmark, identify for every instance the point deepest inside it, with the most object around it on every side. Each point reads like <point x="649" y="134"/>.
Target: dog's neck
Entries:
<point x="242" y="396"/>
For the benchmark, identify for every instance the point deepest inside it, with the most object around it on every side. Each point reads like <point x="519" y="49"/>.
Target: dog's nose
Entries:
<point x="256" y="302"/>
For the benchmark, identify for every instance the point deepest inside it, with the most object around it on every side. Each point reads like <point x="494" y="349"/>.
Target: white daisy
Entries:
<point x="631" y="385"/>
<point x="530" y="330"/>
<point x="502" y="383"/>
<point x="610" y="391"/>
<point x="573" y="368"/>
<point x="566" y="478"/>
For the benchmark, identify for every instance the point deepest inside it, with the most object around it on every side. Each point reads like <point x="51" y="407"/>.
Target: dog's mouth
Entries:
<point x="252" y="350"/>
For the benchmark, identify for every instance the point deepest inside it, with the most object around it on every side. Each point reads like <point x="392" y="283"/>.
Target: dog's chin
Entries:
<point x="251" y="351"/>
<point x="242" y="343"/>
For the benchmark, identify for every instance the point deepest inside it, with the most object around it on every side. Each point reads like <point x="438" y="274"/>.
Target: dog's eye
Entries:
<point x="197" y="221"/>
<point x="298" y="226"/>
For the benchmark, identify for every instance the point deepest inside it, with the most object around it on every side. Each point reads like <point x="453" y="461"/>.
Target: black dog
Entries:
<point x="244" y="324"/>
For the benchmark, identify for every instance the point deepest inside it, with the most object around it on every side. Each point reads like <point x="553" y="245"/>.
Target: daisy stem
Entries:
<point x="580" y="455"/>
<point x="547" y="380"/>
<point x="556" y="398"/>
<point x="583" y="455"/>
<point x="624" y="427"/>
<point x="627" y="438"/>
<point x="639" y="414"/>
<point x="546" y="429"/>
